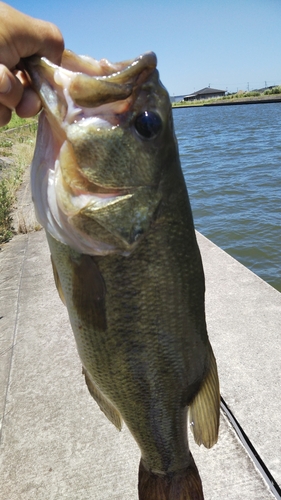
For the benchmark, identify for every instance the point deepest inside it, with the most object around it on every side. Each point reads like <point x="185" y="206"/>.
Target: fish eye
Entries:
<point x="148" y="124"/>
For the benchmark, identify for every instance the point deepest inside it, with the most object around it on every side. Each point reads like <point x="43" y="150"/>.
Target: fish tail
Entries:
<point x="181" y="485"/>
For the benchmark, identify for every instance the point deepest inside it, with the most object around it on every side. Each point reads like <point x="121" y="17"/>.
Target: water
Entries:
<point x="231" y="159"/>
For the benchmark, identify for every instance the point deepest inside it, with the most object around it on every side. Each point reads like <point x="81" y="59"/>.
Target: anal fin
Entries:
<point x="204" y="410"/>
<point x="106" y="407"/>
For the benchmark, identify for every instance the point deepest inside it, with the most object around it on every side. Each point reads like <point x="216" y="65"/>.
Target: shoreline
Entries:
<point x="233" y="102"/>
<point x="238" y="305"/>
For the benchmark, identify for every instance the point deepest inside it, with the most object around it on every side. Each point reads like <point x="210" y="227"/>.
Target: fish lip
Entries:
<point x="124" y="70"/>
<point x="73" y="96"/>
<point x="102" y="192"/>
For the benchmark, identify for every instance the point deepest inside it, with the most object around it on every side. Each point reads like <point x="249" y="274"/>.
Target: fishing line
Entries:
<point x="252" y="452"/>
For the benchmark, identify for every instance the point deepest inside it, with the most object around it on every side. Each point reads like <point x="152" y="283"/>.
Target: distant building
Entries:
<point x="206" y="93"/>
<point x="176" y="98"/>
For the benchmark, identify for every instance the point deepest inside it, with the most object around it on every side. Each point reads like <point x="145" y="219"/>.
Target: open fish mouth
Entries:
<point x="82" y="83"/>
<point x="89" y="107"/>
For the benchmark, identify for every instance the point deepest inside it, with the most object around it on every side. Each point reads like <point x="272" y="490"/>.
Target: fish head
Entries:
<point x="104" y="139"/>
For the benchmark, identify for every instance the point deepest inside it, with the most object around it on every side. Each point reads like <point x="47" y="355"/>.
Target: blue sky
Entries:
<point x="227" y="44"/>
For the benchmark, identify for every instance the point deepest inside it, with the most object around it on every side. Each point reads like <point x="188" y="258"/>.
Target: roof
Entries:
<point x="206" y="91"/>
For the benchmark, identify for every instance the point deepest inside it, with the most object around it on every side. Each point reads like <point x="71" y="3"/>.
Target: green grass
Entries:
<point x="8" y="187"/>
<point x="16" y="145"/>
<point x="15" y="122"/>
<point x="275" y="90"/>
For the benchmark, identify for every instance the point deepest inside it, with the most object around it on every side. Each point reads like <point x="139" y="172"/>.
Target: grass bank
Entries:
<point x="17" y="140"/>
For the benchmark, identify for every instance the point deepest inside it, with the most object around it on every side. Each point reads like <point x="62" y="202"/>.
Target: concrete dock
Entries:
<point x="55" y="442"/>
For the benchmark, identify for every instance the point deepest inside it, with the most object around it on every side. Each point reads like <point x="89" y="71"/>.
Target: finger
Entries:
<point x="29" y="105"/>
<point x="5" y="115"/>
<point x="11" y="90"/>
<point x="24" y="36"/>
<point x="51" y="43"/>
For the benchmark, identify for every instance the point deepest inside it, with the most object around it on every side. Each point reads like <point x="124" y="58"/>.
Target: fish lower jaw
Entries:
<point x="84" y="118"/>
<point x="111" y="193"/>
<point x="98" y="123"/>
<point x="90" y="202"/>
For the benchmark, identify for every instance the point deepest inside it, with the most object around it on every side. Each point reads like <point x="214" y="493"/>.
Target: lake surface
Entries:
<point x="231" y="159"/>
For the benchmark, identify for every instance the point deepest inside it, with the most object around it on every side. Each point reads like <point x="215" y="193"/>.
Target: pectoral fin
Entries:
<point x="57" y="281"/>
<point x="106" y="407"/>
<point x="88" y="292"/>
<point x="204" y="411"/>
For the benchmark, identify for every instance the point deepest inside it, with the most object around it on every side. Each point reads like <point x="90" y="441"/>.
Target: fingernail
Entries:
<point x="5" y="83"/>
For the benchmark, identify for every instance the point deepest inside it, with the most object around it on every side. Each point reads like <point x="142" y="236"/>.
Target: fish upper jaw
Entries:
<point x="97" y="92"/>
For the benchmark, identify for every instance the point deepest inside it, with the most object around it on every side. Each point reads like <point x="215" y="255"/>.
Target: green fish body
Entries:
<point x="109" y="191"/>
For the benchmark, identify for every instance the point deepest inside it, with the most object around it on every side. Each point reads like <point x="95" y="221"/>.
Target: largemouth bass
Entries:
<point x="108" y="189"/>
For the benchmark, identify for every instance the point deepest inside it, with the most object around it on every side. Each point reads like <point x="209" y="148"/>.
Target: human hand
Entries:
<point x="23" y="36"/>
